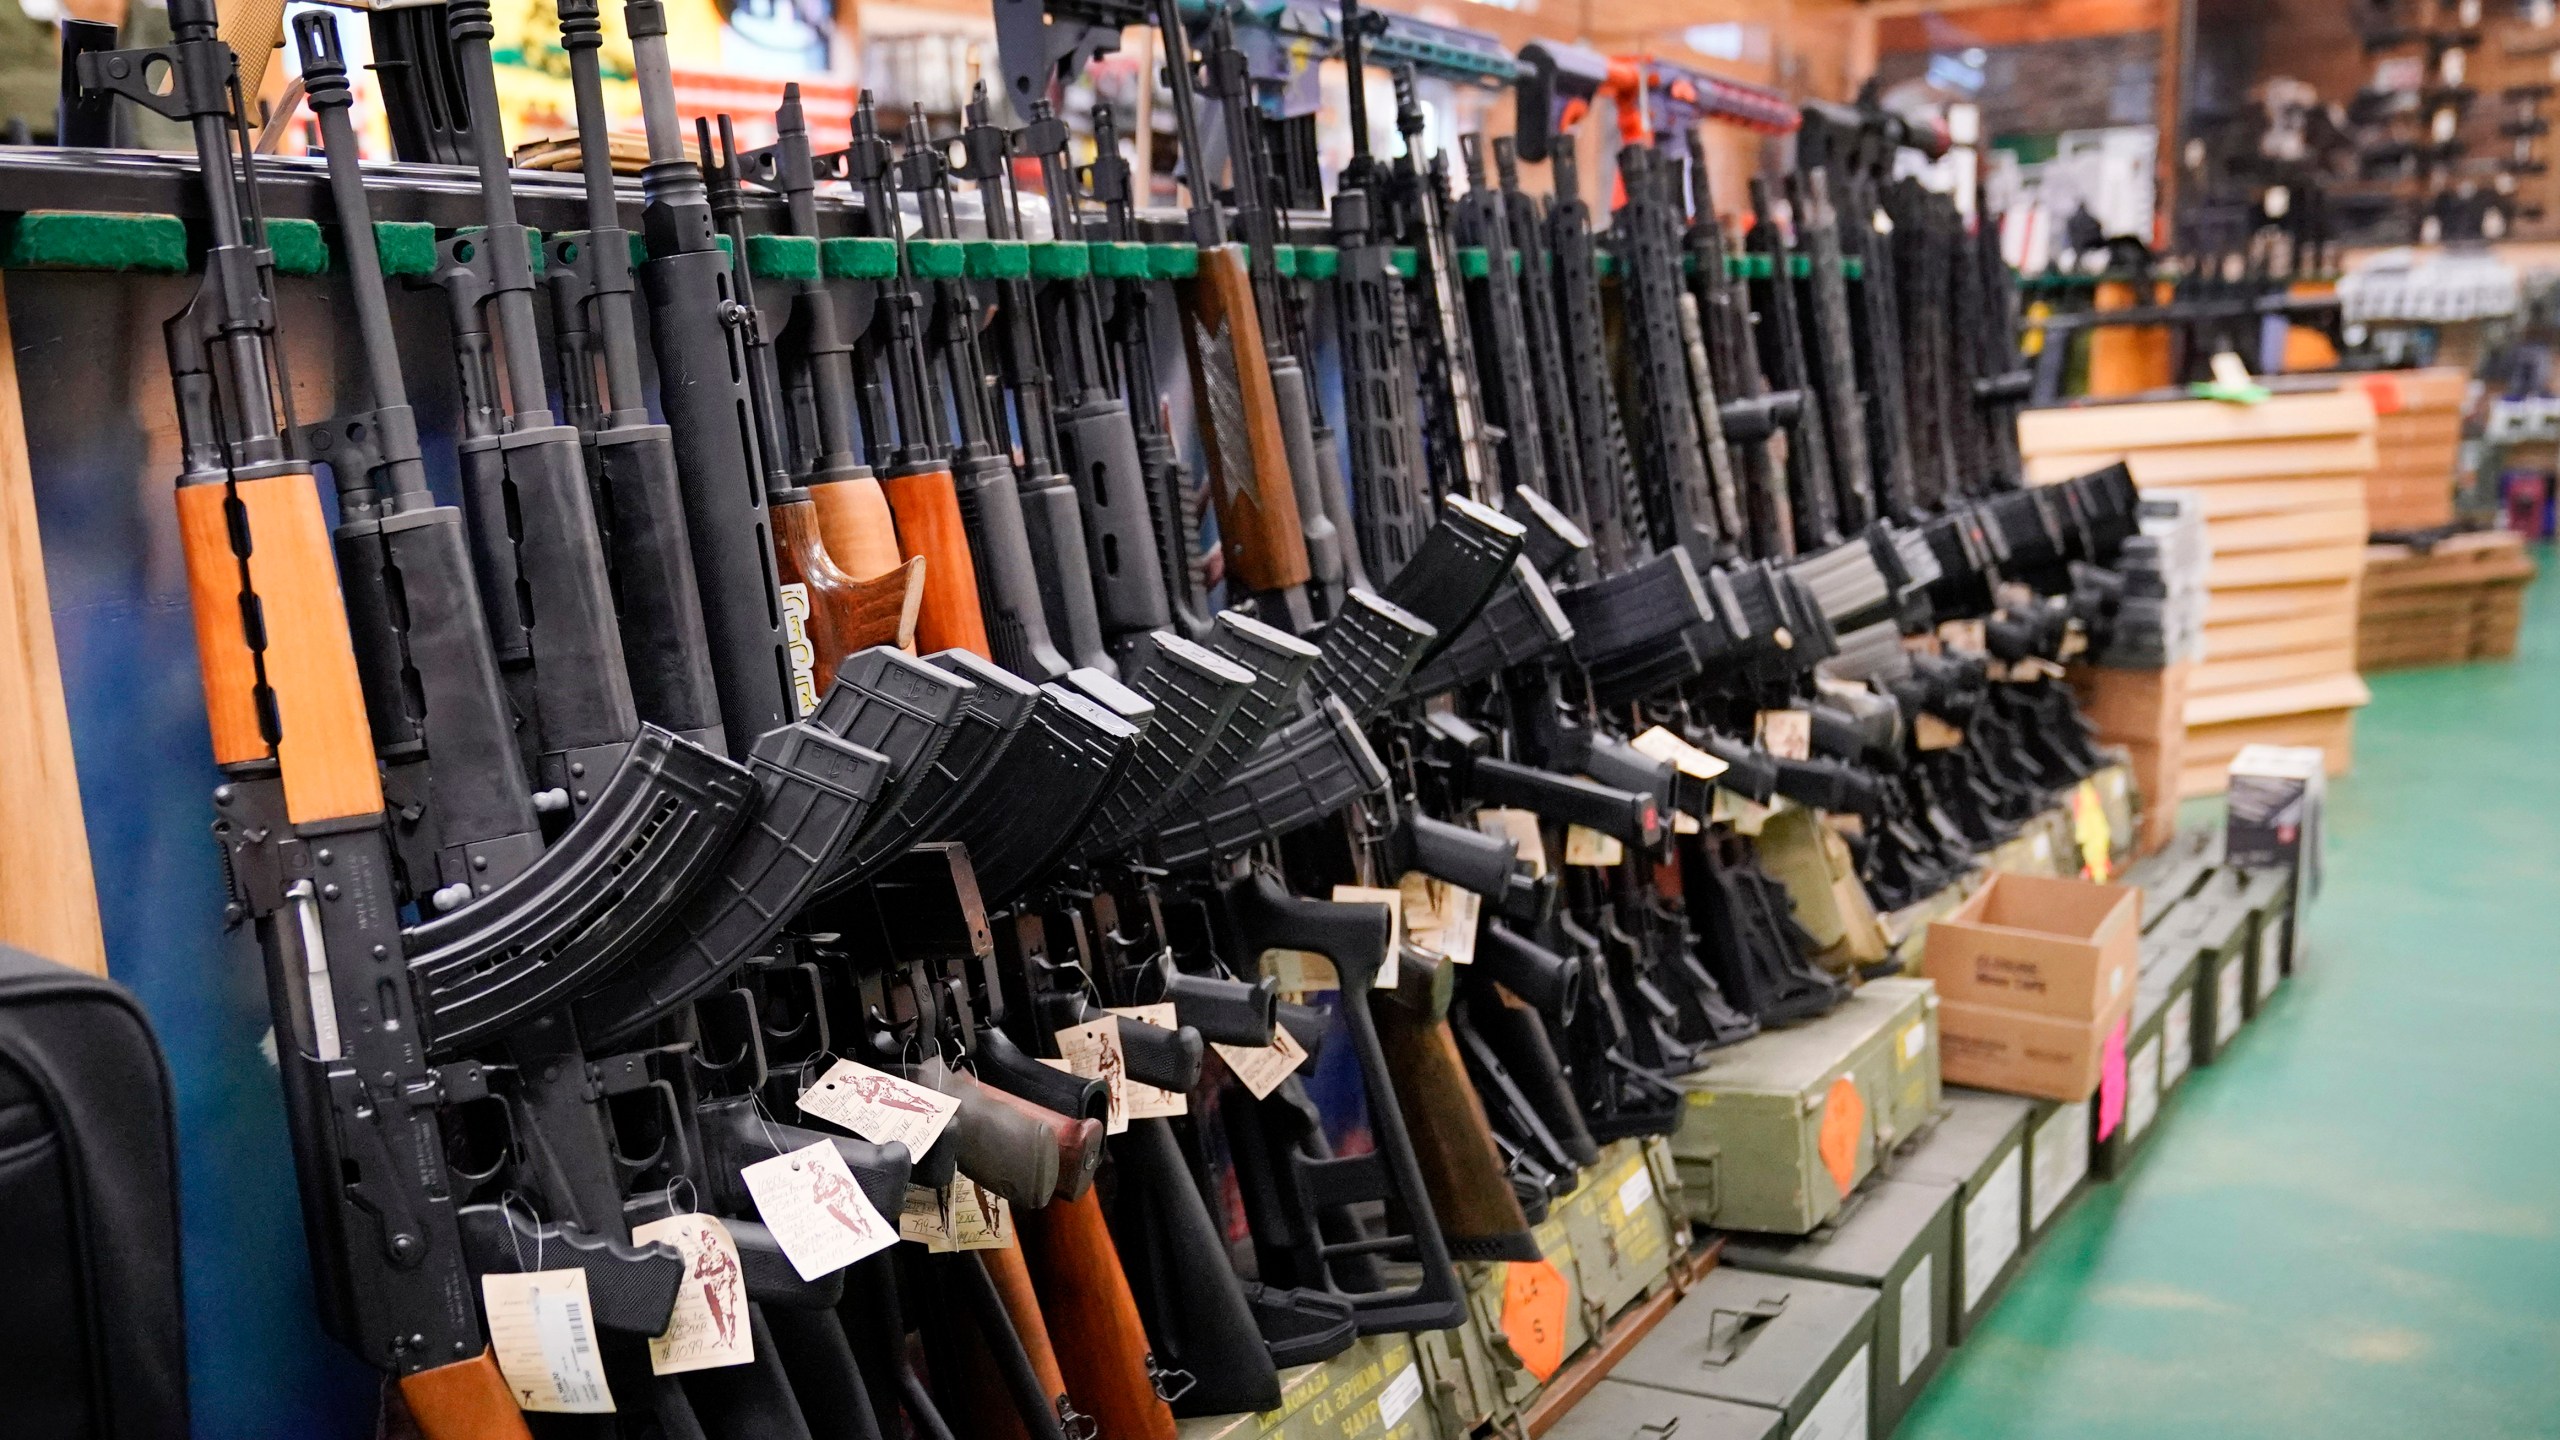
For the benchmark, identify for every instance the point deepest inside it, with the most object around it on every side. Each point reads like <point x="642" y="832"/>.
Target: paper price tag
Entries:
<point x="1584" y="846"/>
<point x="1745" y="815"/>
<point x="1263" y="1067"/>
<point x="926" y="1220"/>
<point x="1659" y="743"/>
<point x="708" y="1327"/>
<point x="878" y="1106"/>
<point x="1787" y="734"/>
<point x="817" y="1214"/>
<point x="1092" y="1051"/>
<point x="1521" y="828"/>
<point x="1394" y="901"/>
<point x="1297" y="972"/>
<point x="1440" y="917"/>
<point x="1150" y="1102"/>
<point x="980" y="1218"/>
<point x="544" y="1333"/>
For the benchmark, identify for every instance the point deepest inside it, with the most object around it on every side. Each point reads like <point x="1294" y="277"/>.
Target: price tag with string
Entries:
<point x="542" y="1330"/>
<point x="817" y="1214"/>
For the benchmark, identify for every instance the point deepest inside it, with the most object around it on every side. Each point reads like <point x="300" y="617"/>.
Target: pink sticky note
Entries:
<point x="2111" y="1080"/>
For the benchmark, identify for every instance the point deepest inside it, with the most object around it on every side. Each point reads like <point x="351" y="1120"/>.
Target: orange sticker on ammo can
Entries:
<point x="1844" y="1116"/>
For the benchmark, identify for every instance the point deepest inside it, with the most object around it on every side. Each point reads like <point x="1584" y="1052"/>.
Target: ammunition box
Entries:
<point x="2218" y="927"/>
<point x="2112" y="1152"/>
<point x="1905" y="1070"/>
<point x="2269" y="896"/>
<point x="1372" y="1391"/>
<point x="1775" y="1131"/>
<point x="2057" y="1160"/>
<point x="1514" y="1383"/>
<point x="1981" y="1149"/>
<point x="1616" y="1410"/>
<point x="1897" y="1238"/>
<point x="1804" y="1348"/>
<point x="1621" y="1229"/>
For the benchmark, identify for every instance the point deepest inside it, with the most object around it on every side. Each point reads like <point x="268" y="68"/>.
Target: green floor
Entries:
<point x="2351" y="1226"/>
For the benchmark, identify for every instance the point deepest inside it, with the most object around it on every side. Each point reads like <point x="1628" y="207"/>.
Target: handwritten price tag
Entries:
<point x="1149" y="1102"/>
<point x="879" y="1107"/>
<point x="817" y="1214"/>
<point x="1263" y="1067"/>
<point x="708" y="1327"/>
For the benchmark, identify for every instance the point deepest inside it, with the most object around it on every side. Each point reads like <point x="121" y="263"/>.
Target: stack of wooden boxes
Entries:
<point x="2417" y="437"/>
<point x="2460" y="599"/>
<point x="2283" y="486"/>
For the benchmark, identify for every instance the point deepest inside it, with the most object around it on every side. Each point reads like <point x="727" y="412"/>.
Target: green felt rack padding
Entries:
<point x="938" y="259"/>
<point x="859" y="257"/>
<point x="998" y="259"/>
<point x="84" y="240"/>
<point x="782" y="257"/>
<point x="1474" y="261"/>
<point x="1061" y="259"/>
<point x="1173" y="262"/>
<point x="533" y="242"/>
<point x="1799" y="267"/>
<point x="299" y="247"/>
<point x="1853" y="267"/>
<point x="1759" y="267"/>
<point x="1605" y="262"/>
<point x="1318" y="262"/>
<point x="1120" y="259"/>
<point x="1406" y="262"/>
<point x="1284" y="261"/>
<point x="407" y="247"/>
<point x="1737" y="267"/>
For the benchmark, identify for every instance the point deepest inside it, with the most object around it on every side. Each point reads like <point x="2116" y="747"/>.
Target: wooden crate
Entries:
<point x="2145" y="712"/>
<point x="2285" y="488"/>
<point x="2418" y="442"/>
<point x="2461" y="599"/>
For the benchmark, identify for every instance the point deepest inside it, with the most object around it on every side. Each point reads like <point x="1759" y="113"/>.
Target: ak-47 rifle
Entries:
<point x="632" y="459"/>
<point x="827" y="614"/>
<point x="1053" y="516"/>
<point x="702" y="388"/>
<point x="1379" y="401"/>
<point x="1172" y="505"/>
<point x="1228" y="77"/>
<point x="1097" y="435"/>
<point x="1251" y="474"/>
<point x="855" y="526"/>
<point x="911" y="446"/>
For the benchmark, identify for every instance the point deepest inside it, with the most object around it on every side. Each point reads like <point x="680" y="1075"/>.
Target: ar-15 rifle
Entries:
<point x="1453" y="414"/>
<point x="1781" y="343"/>
<point x="1484" y="221"/>
<point x="1817" y="232"/>
<point x="990" y="501"/>
<point x="1545" y="335"/>
<point x="1754" y="420"/>
<point x="1673" y="462"/>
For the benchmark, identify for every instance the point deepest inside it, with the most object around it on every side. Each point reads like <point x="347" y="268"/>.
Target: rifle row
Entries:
<point x="816" y="788"/>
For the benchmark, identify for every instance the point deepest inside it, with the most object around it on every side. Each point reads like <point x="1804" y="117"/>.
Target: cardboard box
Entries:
<point x="2057" y="1160"/>
<point x="1617" y="1410"/>
<point x="1897" y="1238"/>
<point x="1804" y="1348"/>
<point x="2276" y="796"/>
<point x="1991" y="1047"/>
<point x="2065" y="949"/>
<point x="1776" y="1130"/>
<point x="1981" y="1149"/>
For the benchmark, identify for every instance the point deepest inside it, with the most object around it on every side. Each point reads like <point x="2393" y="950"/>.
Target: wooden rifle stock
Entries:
<point x="845" y="614"/>
<point x="1258" y="522"/>
<point x="1101" y="1343"/>
<point x="466" y="1400"/>
<point x="1012" y="1279"/>
<point x="855" y="523"/>
<point x="927" y="506"/>
<point x="1462" y="1170"/>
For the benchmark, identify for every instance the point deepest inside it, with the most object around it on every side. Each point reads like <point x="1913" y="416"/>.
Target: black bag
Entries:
<point x="93" y="1327"/>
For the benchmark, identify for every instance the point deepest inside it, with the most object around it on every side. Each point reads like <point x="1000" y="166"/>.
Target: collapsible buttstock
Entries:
<point x="855" y="522"/>
<point x="927" y="507"/>
<point x="1257" y="501"/>
<point x="229" y="667"/>
<point x="466" y="1400"/>
<point x="1101" y="1343"/>
<point x="325" y="742"/>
